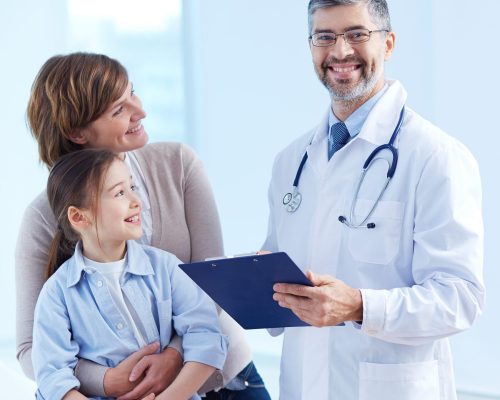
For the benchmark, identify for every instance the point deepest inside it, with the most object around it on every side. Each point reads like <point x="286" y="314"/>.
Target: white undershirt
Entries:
<point x="112" y="273"/>
<point x="139" y="181"/>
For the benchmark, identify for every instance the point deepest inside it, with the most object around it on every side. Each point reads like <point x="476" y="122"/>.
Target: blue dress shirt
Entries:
<point x="356" y="120"/>
<point x="75" y="317"/>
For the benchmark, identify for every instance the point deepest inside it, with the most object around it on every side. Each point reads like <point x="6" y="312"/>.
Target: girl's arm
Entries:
<point x="189" y="380"/>
<point x="74" y="395"/>
<point x="54" y="349"/>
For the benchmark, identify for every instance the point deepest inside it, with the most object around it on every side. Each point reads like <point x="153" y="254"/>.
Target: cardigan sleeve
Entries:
<point x="33" y="241"/>
<point x="201" y="211"/>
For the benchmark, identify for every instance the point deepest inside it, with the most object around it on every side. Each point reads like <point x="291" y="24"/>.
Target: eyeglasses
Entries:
<point x="353" y="36"/>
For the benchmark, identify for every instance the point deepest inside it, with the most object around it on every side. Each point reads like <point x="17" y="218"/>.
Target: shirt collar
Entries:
<point x="136" y="263"/>
<point x="380" y="122"/>
<point x="356" y="120"/>
<point x="76" y="266"/>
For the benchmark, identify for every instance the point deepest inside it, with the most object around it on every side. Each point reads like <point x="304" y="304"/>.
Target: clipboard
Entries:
<point x="243" y="287"/>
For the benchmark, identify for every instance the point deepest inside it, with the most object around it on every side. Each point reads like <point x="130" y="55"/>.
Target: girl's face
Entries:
<point x="118" y="216"/>
<point x="119" y="129"/>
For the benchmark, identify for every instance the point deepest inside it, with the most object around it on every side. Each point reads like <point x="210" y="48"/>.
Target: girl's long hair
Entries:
<point x="76" y="179"/>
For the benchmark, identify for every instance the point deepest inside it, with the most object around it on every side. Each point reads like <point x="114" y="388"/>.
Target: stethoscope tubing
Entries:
<point x="292" y="201"/>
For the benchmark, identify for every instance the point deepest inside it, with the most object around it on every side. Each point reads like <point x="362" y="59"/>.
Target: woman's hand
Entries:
<point x="150" y="396"/>
<point x="155" y="373"/>
<point x="116" y="380"/>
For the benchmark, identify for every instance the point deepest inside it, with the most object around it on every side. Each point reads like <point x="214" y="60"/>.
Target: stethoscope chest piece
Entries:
<point x="292" y="200"/>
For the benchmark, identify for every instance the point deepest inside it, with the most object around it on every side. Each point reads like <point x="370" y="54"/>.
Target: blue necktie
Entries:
<point x="338" y="137"/>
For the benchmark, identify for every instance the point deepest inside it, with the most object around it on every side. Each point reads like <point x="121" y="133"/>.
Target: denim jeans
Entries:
<point x="247" y="385"/>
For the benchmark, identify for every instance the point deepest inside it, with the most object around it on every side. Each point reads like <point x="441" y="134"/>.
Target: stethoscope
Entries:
<point x="292" y="200"/>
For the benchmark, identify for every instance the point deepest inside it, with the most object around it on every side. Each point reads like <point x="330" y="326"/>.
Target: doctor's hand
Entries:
<point x="328" y="303"/>
<point x="155" y="372"/>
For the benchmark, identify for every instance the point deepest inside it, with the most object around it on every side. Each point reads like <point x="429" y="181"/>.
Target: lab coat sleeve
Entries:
<point x="448" y="291"/>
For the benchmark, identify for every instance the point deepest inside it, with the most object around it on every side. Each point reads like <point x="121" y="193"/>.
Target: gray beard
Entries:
<point x="351" y="96"/>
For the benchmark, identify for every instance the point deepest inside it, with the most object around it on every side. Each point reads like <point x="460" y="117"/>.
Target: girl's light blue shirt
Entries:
<point x="75" y="317"/>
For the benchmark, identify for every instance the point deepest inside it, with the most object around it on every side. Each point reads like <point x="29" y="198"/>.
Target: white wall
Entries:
<point x="249" y="97"/>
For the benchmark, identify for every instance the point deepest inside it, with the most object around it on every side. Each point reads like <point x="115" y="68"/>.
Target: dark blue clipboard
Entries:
<point x="243" y="287"/>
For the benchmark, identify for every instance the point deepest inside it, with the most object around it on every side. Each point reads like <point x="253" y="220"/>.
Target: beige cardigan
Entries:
<point x="185" y="223"/>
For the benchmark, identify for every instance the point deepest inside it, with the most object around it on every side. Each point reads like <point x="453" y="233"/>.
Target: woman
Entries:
<point x="85" y="100"/>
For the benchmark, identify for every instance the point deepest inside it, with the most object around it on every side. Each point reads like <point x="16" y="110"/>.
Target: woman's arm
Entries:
<point x="34" y="238"/>
<point x="201" y="211"/>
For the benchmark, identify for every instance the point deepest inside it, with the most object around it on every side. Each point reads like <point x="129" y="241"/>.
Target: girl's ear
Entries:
<point x="78" y="218"/>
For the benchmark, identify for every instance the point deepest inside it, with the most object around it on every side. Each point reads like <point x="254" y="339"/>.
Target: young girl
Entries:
<point x="111" y="295"/>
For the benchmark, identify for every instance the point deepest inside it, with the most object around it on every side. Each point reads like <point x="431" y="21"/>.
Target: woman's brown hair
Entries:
<point x="69" y="92"/>
<point x="76" y="179"/>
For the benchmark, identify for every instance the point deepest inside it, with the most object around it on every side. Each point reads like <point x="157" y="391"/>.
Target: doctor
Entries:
<point x="395" y="253"/>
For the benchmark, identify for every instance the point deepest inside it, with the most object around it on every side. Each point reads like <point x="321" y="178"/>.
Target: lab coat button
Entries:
<point x="99" y="283"/>
<point x="119" y="326"/>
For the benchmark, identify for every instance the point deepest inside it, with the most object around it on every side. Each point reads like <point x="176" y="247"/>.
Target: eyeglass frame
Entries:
<point x="336" y="35"/>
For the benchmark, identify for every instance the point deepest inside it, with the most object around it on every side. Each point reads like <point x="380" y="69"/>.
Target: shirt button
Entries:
<point x="219" y="377"/>
<point x="99" y="283"/>
<point x="119" y="326"/>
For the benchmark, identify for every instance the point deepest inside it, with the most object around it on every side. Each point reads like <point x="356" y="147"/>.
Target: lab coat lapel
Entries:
<point x="384" y="116"/>
<point x="317" y="151"/>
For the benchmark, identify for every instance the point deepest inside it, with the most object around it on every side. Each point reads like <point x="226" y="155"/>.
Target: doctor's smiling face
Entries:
<point x="352" y="72"/>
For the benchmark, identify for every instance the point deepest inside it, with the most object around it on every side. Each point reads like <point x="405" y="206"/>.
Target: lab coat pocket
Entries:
<point x="380" y="244"/>
<point x="165" y="321"/>
<point x="412" y="381"/>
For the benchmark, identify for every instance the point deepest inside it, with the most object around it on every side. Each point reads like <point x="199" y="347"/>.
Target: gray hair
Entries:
<point x="378" y="9"/>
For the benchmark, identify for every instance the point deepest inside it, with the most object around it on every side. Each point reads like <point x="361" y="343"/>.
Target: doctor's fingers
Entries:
<point x="314" y="312"/>
<point x="320" y="280"/>
<point x="292" y="301"/>
<point x="293" y="289"/>
<point x="315" y="318"/>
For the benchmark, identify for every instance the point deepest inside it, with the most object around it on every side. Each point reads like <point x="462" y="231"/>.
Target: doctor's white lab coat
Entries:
<point x="419" y="270"/>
